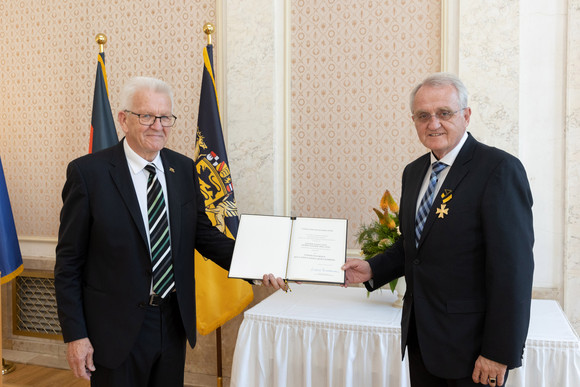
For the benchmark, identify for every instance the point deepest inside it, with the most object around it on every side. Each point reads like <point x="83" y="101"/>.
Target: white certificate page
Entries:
<point x="318" y="250"/>
<point x="261" y="247"/>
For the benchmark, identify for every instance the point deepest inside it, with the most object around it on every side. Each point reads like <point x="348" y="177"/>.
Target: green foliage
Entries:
<point x="382" y="234"/>
<point x="376" y="238"/>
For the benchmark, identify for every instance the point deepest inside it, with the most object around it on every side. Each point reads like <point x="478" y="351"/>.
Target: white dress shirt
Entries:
<point x="448" y="159"/>
<point x="140" y="176"/>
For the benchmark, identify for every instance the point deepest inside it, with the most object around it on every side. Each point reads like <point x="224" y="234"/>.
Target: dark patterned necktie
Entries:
<point x="427" y="200"/>
<point x="159" y="239"/>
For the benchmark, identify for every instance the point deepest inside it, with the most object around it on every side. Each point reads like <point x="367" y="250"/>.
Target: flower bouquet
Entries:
<point x="382" y="233"/>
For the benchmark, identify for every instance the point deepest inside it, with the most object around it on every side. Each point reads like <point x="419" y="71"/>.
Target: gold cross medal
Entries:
<point x="444" y="210"/>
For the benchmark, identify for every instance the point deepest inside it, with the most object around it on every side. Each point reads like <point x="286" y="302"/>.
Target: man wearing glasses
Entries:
<point x="132" y="216"/>
<point x="465" y="249"/>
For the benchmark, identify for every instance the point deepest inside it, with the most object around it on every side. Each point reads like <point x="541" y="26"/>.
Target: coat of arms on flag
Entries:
<point x="216" y="186"/>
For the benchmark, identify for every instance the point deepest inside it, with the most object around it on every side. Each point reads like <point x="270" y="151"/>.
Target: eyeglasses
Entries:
<point x="442" y="115"/>
<point x="148" y="119"/>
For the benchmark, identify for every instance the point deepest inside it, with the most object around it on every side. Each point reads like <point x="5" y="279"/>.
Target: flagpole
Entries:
<point x="101" y="39"/>
<point x="209" y="29"/>
<point x="7" y="367"/>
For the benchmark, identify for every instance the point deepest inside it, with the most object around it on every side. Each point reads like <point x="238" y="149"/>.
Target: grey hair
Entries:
<point x="137" y="84"/>
<point x="441" y="80"/>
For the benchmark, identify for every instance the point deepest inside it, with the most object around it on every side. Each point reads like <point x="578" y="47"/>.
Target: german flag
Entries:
<point x="103" y="132"/>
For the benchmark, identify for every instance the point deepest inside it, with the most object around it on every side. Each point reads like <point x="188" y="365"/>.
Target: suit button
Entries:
<point x="416" y="261"/>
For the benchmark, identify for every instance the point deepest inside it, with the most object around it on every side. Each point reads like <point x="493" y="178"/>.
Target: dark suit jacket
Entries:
<point x="470" y="280"/>
<point x="103" y="267"/>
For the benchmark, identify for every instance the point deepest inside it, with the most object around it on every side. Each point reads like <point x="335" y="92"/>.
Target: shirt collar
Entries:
<point x="138" y="163"/>
<point x="450" y="157"/>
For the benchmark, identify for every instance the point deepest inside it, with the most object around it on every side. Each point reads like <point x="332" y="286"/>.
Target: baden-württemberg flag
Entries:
<point x="10" y="256"/>
<point x="103" y="132"/>
<point x="218" y="298"/>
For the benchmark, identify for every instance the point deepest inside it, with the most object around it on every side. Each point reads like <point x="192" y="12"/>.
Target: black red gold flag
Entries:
<point x="103" y="132"/>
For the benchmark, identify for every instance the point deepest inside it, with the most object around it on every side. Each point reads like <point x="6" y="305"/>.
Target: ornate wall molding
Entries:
<point x="450" y="36"/>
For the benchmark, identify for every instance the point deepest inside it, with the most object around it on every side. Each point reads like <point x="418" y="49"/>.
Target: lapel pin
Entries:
<point x="442" y="211"/>
<point x="446" y="195"/>
<point x="171" y="170"/>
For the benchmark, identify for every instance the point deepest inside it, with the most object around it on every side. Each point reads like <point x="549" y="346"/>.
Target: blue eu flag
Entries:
<point x="10" y="256"/>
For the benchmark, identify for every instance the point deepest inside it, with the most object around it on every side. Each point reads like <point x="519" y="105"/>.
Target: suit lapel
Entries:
<point x="173" y="196"/>
<point x="458" y="171"/>
<point x="120" y="174"/>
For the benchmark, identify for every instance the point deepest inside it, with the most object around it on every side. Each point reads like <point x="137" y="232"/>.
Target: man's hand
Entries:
<point x="79" y="354"/>
<point x="270" y="281"/>
<point x="357" y="271"/>
<point x="486" y="371"/>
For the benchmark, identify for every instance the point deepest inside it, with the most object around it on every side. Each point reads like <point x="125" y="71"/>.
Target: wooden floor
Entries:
<point x="37" y="376"/>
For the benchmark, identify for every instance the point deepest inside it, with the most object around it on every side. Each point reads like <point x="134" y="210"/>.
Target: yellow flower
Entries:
<point x="382" y="217"/>
<point x="387" y="202"/>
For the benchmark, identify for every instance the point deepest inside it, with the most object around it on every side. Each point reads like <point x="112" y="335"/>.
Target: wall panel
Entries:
<point x="353" y="66"/>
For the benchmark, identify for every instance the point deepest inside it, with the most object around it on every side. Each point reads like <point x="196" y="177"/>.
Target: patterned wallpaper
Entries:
<point x="353" y="66"/>
<point x="47" y="75"/>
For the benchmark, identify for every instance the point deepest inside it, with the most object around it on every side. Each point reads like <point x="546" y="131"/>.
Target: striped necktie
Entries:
<point x="427" y="200"/>
<point x="159" y="240"/>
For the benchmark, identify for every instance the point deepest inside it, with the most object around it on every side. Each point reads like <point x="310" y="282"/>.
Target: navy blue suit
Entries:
<point x="469" y="281"/>
<point x="103" y="267"/>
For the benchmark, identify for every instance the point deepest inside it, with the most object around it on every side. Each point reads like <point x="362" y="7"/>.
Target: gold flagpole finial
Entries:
<point x="101" y="39"/>
<point x="208" y="29"/>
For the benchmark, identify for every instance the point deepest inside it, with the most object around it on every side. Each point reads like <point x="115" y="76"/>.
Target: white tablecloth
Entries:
<point x="330" y="336"/>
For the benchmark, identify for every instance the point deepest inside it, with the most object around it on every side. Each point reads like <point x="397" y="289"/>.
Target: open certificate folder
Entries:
<point x="295" y="249"/>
